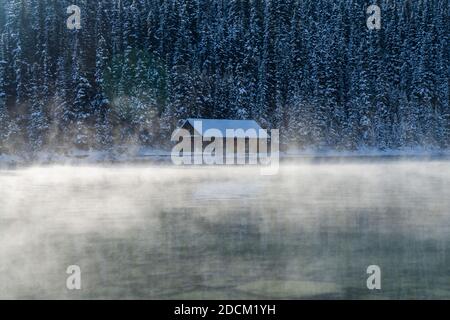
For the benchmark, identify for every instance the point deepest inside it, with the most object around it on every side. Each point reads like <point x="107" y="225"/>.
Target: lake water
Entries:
<point x="227" y="233"/>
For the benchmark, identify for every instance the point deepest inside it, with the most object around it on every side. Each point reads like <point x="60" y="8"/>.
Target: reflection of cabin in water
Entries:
<point x="244" y="132"/>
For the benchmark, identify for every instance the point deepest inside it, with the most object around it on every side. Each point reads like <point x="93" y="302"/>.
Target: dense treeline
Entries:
<point x="308" y="67"/>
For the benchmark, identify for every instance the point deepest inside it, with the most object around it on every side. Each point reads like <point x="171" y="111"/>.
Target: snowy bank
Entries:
<point x="161" y="156"/>
<point x="369" y="152"/>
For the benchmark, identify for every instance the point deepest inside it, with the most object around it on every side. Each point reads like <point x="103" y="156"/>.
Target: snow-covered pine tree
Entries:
<point x="57" y="106"/>
<point x="37" y="122"/>
<point x="4" y="116"/>
<point x="103" y="126"/>
<point x="79" y="112"/>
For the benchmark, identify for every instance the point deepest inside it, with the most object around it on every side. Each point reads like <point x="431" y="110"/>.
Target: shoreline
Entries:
<point x="162" y="158"/>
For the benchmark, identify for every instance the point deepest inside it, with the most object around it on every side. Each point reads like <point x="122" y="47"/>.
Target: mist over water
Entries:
<point x="214" y="232"/>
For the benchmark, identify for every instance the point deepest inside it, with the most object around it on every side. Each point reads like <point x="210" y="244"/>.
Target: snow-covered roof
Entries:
<point x="240" y="127"/>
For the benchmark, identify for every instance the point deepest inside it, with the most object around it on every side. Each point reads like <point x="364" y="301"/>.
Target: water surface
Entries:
<point x="227" y="233"/>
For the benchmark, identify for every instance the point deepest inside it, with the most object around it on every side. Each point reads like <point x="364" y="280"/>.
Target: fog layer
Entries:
<point x="160" y="232"/>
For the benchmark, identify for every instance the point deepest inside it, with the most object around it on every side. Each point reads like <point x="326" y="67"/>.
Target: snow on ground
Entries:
<point x="368" y="152"/>
<point x="157" y="155"/>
